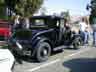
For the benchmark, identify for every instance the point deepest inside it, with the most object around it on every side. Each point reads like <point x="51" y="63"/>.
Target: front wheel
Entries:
<point x="43" y="51"/>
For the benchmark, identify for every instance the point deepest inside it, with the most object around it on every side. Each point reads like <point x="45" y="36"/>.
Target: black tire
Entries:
<point x="76" y="43"/>
<point x="43" y="51"/>
<point x="75" y="46"/>
<point x="81" y="42"/>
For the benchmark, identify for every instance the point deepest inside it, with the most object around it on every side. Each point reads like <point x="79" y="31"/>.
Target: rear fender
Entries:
<point x="40" y="39"/>
<point x="34" y="42"/>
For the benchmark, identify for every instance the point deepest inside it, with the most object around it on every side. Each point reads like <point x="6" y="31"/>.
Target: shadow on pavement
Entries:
<point x="29" y="59"/>
<point x="81" y="65"/>
<point x="33" y="59"/>
<point x="57" y="52"/>
<point x="25" y="59"/>
<point x="71" y="48"/>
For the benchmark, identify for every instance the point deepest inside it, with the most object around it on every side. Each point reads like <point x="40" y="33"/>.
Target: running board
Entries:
<point x="62" y="47"/>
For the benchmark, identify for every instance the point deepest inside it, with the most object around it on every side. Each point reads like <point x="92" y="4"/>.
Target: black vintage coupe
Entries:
<point x="45" y="35"/>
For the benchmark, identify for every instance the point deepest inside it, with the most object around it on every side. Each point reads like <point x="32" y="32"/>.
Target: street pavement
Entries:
<point x="70" y="60"/>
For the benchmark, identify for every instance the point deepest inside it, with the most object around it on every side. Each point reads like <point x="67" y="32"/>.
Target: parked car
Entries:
<point x="5" y="30"/>
<point x="44" y="36"/>
<point x="7" y="59"/>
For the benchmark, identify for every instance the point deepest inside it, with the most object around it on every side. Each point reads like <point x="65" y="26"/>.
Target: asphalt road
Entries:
<point x="81" y="60"/>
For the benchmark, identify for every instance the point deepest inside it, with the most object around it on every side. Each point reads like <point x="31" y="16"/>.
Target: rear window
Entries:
<point x="37" y="22"/>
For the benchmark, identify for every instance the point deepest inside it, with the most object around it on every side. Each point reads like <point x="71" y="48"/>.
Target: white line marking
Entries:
<point x="78" y="52"/>
<point x="44" y="65"/>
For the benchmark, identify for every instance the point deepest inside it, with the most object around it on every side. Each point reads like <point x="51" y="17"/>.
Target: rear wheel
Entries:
<point x="43" y="51"/>
<point x="76" y="43"/>
<point x="81" y="42"/>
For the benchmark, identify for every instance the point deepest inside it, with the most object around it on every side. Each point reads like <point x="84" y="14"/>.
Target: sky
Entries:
<point x="75" y="7"/>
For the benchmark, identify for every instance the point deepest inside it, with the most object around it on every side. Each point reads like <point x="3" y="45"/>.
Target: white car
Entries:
<point x="6" y="60"/>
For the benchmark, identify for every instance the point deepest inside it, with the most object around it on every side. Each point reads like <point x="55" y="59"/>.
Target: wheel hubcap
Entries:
<point x="44" y="52"/>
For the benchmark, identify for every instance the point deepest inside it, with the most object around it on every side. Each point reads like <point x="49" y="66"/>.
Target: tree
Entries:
<point x="2" y="9"/>
<point x="43" y="10"/>
<point x="66" y="15"/>
<point x="92" y="6"/>
<point x="24" y="7"/>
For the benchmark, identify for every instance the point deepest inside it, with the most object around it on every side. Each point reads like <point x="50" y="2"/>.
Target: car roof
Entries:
<point x="47" y="17"/>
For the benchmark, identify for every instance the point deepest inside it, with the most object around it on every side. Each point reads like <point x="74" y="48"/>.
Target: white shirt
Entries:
<point x="17" y="21"/>
<point x="83" y="26"/>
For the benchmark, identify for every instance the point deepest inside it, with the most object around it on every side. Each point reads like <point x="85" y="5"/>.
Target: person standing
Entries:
<point x="84" y="31"/>
<point x="94" y="35"/>
<point x="67" y="32"/>
<point x="16" y="24"/>
<point x="94" y="31"/>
